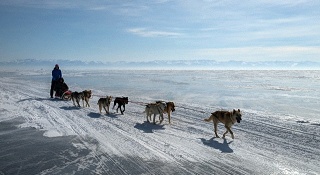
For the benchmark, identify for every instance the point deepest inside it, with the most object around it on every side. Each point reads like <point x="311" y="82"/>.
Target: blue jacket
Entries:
<point x="56" y="74"/>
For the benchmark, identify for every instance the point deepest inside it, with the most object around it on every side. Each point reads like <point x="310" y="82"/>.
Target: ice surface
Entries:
<point x="279" y="133"/>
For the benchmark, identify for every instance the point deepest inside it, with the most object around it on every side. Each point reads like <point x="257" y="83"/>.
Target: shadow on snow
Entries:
<point x="70" y="107"/>
<point x="315" y="124"/>
<point x="40" y="99"/>
<point x="307" y="122"/>
<point x="98" y="115"/>
<point x="148" y="127"/>
<point x="223" y="147"/>
<point x="94" y="115"/>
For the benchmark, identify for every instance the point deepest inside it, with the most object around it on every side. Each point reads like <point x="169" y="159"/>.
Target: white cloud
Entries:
<point x="152" y="33"/>
<point x="98" y="8"/>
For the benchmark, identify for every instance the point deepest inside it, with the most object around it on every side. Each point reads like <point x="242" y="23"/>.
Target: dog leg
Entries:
<point x="87" y="101"/>
<point x="107" y="111"/>
<point x="118" y="108"/>
<point x="146" y="111"/>
<point x="224" y="134"/>
<point x="169" y="117"/>
<point x="215" y="129"/>
<point x="124" y="108"/>
<point x="161" y="116"/>
<point x="100" y="107"/>
<point x="108" y="107"/>
<point x="114" y="104"/>
<point x="78" y="100"/>
<point x="73" y="101"/>
<point x="154" y="119"/>
<point x="148" y="118"/>
<point x="228" y="130"/>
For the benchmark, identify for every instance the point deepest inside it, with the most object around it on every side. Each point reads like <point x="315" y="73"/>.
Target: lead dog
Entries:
<point x="155" y="108"/>
<point x="225" y="117"/>
<point x="105" y="102"/>
<point x="75" y="97"/>
<point x="86" y="96"/>
<point x="121" y="101"/>
<point x="168" y="109"/>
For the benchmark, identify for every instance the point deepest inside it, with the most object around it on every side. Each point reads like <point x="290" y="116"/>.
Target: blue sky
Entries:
<point x="140" y="30"/>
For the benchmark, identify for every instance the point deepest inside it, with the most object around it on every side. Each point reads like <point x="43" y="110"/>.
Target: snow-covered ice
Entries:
<point x="279" y="132"/>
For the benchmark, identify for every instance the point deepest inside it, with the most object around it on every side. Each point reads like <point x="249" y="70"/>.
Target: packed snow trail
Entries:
<point x="126" y="144"/>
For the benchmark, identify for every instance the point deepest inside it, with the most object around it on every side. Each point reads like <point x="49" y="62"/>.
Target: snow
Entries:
<point x="279" y="132"/>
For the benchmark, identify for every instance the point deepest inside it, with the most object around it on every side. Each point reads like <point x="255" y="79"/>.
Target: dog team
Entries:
<point x="228" y="118"/>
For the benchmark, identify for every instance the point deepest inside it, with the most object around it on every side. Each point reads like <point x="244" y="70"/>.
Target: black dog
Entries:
<point x="76" y="97"/>
<point x="121" y="101"/>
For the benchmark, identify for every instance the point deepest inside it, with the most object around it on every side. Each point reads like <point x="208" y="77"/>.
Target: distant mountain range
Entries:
<point x="163" y="64"/>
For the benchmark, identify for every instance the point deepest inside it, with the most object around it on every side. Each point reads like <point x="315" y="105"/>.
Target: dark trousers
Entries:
<point x="53" y="84"/>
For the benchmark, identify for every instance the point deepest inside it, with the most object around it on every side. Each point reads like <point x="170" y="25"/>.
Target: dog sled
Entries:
<point x="62" y="90"/>
<point x="66" y="95"/>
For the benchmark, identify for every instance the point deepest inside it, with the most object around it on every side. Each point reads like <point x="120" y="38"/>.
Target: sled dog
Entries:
<point x="75" y="97"/>
<point x="168" y="109"/>
<point x="104" y="103"/>
<point x="225" y="117"/>
<point x="86" y="96"/>
<point x="121" y="101"/>
<point x="155" y="108"/>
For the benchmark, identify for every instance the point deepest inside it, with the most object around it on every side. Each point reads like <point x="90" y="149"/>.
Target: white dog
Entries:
<point x="104" y="103"/>
<point x="155" y="108"/>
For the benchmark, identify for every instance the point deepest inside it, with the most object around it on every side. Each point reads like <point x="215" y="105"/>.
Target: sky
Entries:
<point x="139" y="30"/>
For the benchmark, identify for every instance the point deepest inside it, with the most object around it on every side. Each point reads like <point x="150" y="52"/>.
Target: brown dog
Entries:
<point x="225" y="117"/>
<point x="86" y="96"/>
<point x="168" y="109"/>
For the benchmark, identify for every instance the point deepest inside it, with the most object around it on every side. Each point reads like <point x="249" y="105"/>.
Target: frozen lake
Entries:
<point x="279" y="133"/>
<point x="279" y="93"/>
